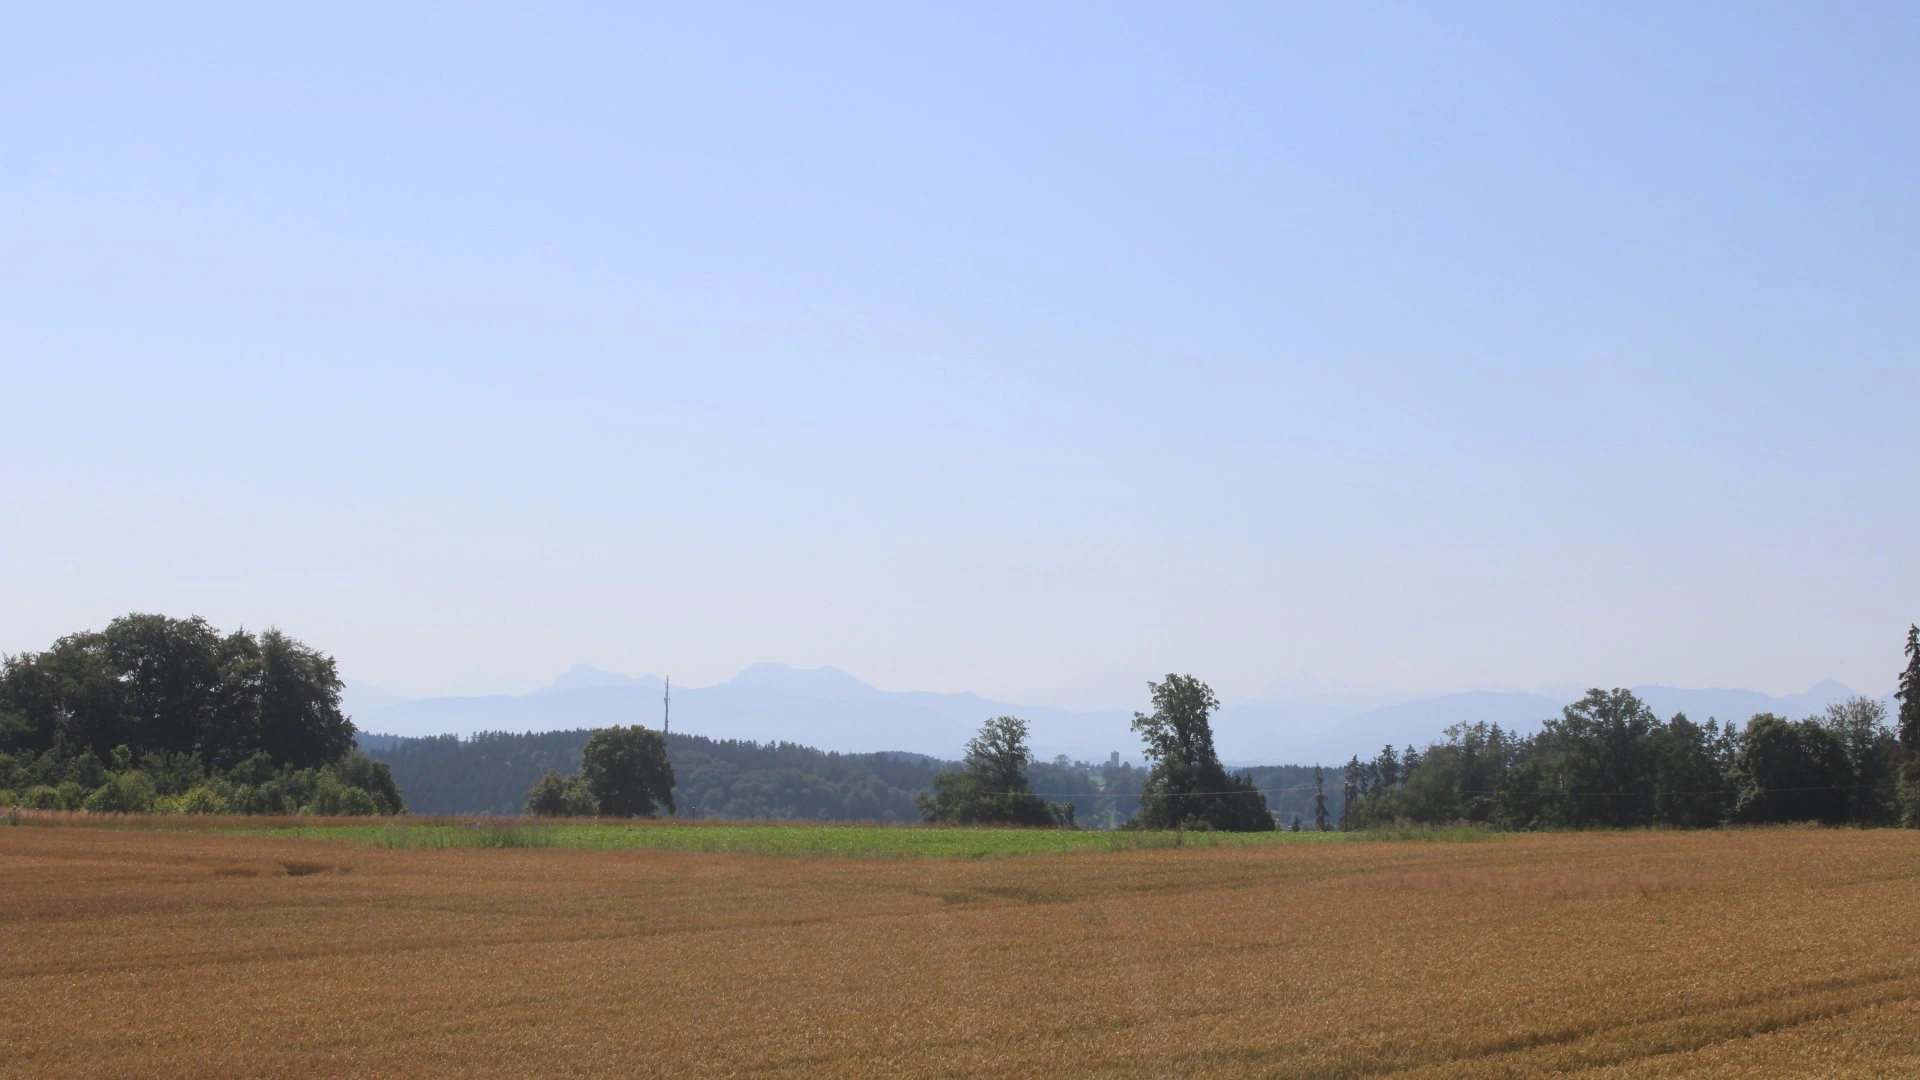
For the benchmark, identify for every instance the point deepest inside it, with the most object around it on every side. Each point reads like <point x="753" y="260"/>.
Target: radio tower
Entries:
<point x="666" y="709"/>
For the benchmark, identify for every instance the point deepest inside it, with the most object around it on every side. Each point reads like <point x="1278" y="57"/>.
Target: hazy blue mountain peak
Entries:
<point x="586" y="677"/>
<point x="1830" y="689"/>
<point x="819" y="682"/>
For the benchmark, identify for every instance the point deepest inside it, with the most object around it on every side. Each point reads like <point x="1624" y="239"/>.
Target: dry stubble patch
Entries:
<point x="1783" y="952"/>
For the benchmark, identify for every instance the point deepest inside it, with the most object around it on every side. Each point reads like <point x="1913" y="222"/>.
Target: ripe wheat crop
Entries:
<point x="1783" y="952"/>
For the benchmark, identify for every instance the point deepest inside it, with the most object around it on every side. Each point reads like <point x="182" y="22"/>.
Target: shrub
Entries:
<point x="8" y="798"/>
<point x="554" y="795"/>
<point x="333" y="798"/>
<point x="358" y="802"/>
<point x="375" y="778"/>
<point x="271" y="797"/>
<point x="202" y="799"/>
<point x="42" y="797"/>
<point x="125" y="793"/>
<point x="72" y="795"/>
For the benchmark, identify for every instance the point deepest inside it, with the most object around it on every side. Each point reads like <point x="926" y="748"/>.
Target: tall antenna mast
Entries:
<point x="666" y="709"/>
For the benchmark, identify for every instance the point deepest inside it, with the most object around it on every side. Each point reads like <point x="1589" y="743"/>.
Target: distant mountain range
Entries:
<point x="822" y="707"/>
<point x="830" y="709"/>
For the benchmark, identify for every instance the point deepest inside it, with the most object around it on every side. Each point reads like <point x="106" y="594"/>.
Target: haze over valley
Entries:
<point x="832" y="710"/>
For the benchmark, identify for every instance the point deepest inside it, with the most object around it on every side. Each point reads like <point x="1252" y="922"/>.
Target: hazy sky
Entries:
<point x="1027" y="349"/>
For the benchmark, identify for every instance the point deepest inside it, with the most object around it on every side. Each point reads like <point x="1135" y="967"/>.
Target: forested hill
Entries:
<point x="491" y="772"/>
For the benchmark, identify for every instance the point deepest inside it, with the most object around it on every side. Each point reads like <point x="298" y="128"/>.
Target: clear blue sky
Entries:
<point x="1028" y="349"/>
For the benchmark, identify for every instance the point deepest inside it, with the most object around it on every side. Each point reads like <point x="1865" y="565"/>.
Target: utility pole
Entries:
<point x="666" y="712"/>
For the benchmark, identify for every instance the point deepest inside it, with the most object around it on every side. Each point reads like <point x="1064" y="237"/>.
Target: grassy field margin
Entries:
<point x="852" y="840"/>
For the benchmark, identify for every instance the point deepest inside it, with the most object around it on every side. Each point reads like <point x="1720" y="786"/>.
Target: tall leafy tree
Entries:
<point x="1860" y="726"/>
<point x="300" y="717"/>
<point x="1790" y="771"/>
<point x="1600" y="760"/>
<point x="1688" y="786"/>
<point x="627" y="770"/>
<point x="991" y="786"/>
<point x="170" y="672"/>
<point x="230" y="732"/>
<point x="1187" y="786"/>
<point x="71" y="694"/>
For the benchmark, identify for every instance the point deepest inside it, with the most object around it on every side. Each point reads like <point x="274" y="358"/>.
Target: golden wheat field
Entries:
<point x="1781" y="952"/>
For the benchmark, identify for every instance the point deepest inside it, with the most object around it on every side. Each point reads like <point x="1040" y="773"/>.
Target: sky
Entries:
<point x="1027" y="349"/>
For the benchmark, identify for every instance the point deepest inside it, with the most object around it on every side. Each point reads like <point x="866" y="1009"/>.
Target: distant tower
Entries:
<point x="666" y="709"/>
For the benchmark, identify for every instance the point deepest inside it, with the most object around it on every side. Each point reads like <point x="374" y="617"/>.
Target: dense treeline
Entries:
<point x="155" y="713"/>
<point x="1608" y="761"/>
<point x="1107" y="795"/>
<point x="713" y="778"/>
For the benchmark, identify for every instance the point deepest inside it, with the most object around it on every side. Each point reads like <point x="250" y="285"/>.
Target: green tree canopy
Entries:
<point x="627" y="771"/>
<point x="1860" y="725"/>
<point x="1187" y="786"/>
<point x="1599" y="758"/>
<point x="162" y="685"/>
<point x="1790" y="771"/>
<point x="991" y="788"/>
<point x="554" y="795"/>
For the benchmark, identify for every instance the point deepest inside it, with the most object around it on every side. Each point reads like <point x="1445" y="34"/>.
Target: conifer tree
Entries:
<point x="1909" y="695"/>
<point x="1352" y="791"/>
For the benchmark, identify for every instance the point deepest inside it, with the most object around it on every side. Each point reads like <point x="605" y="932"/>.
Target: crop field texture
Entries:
<point x="1790" y="952"/>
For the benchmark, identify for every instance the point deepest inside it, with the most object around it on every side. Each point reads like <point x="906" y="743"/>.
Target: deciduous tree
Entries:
<point x="554" y="795"/>
<point x="1187" y="786"/>
<point x="627" y="770"/>
<point x="991" y="787"/>
<point x="1790" y="771"/>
